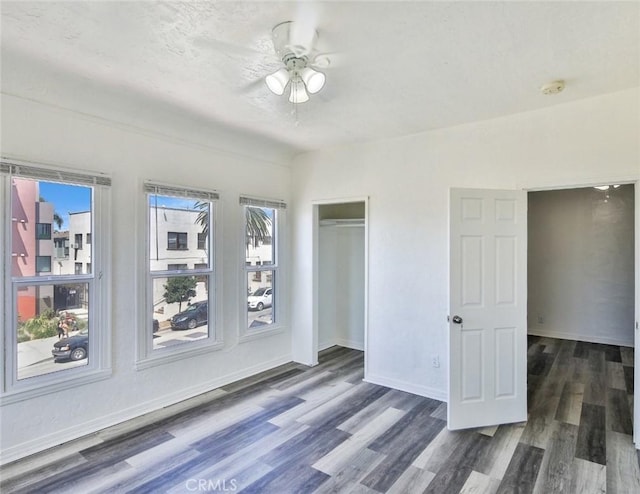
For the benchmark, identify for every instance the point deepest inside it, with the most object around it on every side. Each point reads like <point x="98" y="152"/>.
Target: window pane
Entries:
<point x="52" y="332"/>
<point x="202" y="241"/>
<point x="178" y="232"/>
<point x="260" y="298"/>
<point x="177" y="241"/>
<point x="43" y="264"/>
<point x="180" y="310"/>
<point x="258" y="240"/>
<point x="43" y="231"/>
<point x="39" y="208"/>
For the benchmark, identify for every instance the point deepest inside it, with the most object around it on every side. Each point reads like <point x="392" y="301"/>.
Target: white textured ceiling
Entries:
<point x="194" y="70"/>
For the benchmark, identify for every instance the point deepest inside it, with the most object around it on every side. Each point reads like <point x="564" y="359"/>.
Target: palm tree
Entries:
<point x="258" y="225"/>
<point x="258" y="222"/>
<point x="57" y="219"/>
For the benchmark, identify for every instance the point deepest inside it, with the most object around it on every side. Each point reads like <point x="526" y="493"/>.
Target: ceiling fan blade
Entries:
<point x="304" y="29"/>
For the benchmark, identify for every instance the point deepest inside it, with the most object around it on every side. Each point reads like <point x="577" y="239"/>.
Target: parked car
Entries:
<point x="194" y="315"/>
<point x="73" y="348"/>
<point x="260" y="299"/>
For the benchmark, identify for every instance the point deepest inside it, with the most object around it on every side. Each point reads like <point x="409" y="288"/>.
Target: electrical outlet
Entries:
<point x="435" y="360"/>
<point x="540" y="319"/>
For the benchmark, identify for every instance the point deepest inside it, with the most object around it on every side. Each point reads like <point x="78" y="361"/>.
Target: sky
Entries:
<point x="172" y="202"/>
<point x="66" y="199"/>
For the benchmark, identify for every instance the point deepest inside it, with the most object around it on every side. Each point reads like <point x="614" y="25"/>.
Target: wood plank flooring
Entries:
<point x="320" y="430"/>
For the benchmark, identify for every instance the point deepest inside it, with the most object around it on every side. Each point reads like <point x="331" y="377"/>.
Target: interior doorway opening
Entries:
<point x="582" y="256"/>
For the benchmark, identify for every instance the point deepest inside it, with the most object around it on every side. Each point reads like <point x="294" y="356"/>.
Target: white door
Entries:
<point x="488" y="308"/>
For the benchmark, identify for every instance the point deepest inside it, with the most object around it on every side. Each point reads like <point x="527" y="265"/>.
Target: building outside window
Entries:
<point x="181" y="278"/>
<point x="43" y="231"/>
<point x="202" y="241"/>
<point x="77" y="241"/>
<point x="43" y="264"/>
<point x="45" y="290"/>
<point x="177" y="267"/>
<point x="177" y="241"/>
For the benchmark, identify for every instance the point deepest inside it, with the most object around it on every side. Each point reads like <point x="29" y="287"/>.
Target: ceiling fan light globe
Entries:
<point x="298" y="93"/>
<point x="313" y="79"/>
<point x="277" y="81"/>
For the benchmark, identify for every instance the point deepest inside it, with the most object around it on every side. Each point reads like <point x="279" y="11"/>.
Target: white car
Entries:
<point x="260" y="299"/>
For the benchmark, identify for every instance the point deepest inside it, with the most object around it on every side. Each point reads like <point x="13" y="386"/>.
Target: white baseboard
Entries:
<point x="325" y="345"/>
<point x="581" y="337"/>
<point x="354" y="345"/>
<point x="427" y="392"/>
<point x="82" y="429"/>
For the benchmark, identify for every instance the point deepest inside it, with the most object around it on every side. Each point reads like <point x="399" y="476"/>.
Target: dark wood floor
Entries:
<point x="302" y="430"/>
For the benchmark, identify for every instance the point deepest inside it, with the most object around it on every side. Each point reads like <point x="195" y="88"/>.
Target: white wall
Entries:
<point x="341" y="286"/>
<point x="38" y="133"/>
<point x="408" y="180"/>
<point x="581" y="264"/>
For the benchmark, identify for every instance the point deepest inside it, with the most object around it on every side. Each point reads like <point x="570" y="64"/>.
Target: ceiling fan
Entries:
<point x="296" y="47"/>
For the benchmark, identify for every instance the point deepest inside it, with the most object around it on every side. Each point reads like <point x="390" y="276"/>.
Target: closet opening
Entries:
<point x="341" y="276"/>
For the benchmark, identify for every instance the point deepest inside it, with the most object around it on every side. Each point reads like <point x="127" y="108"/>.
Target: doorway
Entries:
<point x="582" y="270"/>
<point x="341" y="286"/>
<point x="581" y="264"/>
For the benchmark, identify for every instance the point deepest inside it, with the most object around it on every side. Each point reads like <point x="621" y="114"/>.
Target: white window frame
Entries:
<point x="99" y="363"/>
<point x="147" y="356"/>
<point x="278" y="283"/>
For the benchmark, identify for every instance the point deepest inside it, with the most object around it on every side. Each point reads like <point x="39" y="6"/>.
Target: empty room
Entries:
<point x="300" y="247"/>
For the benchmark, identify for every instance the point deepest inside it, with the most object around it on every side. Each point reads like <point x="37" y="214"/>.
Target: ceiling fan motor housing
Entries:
<point x="284" y="44"/>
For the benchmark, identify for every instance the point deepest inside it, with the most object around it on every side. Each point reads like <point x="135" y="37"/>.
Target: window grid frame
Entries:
<point x="148" y="356"/>
<point x="278" y="208"/>
<point x="47" y="231"/>
<point x="177" y="240"/>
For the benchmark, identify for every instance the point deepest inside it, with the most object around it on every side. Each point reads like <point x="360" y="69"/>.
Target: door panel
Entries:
<point x="487" y="373"/>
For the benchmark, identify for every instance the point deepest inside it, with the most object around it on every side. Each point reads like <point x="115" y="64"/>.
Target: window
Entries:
<point x="43" y="264"/>
<point x="176" y="267"/>
<point x="202" y="241"/>
<point x="43" y="231"/>
<point x="88" y="238"/>
<point x="176" y="241"/>
<point x="78" y="268"/>
<point x="261" y="263"/>
<point x="180" y="315"/>
<point x="78" y="241"/>
<point x="48" y="298"/>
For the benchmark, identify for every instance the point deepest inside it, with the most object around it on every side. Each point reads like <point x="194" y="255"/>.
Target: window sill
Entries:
<point x="34" y="391"/>
<point x="254" y="334"/>
<point x="158" y="357"/>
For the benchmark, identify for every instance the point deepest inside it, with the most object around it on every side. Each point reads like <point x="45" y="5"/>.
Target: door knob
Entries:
<point x="457" y="320"/>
